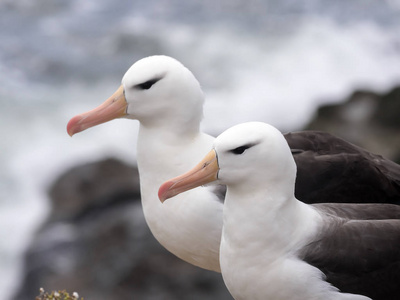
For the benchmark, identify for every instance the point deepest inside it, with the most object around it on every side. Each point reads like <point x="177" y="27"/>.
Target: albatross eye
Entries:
<point x="147" y="84"/>
<point x="240" y="150"/>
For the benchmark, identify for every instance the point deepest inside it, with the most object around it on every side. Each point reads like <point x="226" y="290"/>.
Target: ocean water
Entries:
<point x="273" y="61"/>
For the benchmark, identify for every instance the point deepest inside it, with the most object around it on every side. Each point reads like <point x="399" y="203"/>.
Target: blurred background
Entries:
<point x="285" y="62"/>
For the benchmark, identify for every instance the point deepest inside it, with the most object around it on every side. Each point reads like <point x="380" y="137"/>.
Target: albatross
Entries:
<point x="276" y="247"/>
<point x="167" y="100"/>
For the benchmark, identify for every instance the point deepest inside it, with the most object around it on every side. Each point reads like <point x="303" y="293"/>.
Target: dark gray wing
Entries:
<point x="360" y="211"/>
<point x="330" y="169"/>
<point x="358" y="256"/>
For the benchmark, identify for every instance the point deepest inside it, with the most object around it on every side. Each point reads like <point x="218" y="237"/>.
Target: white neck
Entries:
<point x="280" y="224"/>
<point x="258" y="249"/>
<point x="188" y="225"/>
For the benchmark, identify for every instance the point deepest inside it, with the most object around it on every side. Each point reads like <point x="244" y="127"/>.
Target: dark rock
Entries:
<point x="388" y="110"/>
<point x="93" y="186"/>
<point x="367" y="119"/>
<point x="96" y="242"/>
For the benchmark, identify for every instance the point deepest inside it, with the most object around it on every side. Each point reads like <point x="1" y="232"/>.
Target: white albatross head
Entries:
<point x="157" y="91"/>
<point x="248" y="156"/>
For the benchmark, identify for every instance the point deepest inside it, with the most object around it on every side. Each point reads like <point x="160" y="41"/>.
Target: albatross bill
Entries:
<point x="204" y="172"/>
<point x="114" y="107"/>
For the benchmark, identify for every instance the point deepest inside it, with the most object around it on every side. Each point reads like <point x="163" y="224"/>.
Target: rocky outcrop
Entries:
<point x="96" y="242"/>
<point x="368" y="119"/>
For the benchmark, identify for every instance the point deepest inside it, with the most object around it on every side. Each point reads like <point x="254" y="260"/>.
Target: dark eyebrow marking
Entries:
<point x="147" y="84"/>
<point x="241" y="149"/>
